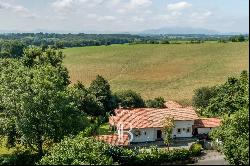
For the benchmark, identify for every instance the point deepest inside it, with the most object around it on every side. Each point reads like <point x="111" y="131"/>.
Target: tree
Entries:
<point x="86" y="101"/>
<point x="168" y="126"/>
<point x="100" y="88"/>
<point x="241" y="38"/>
<point x="234" y="134"/>
<point x="78" y="151"/>
<point x="158" y="102"/>
<point x="202" y="96"/>
<point x="37" y="106"/>
<point x="58" y="45"/>
<point x="129" y="99"/>
<point x="34" y="56"/>
<point x="11" y="49"/>
<point x="225" y="98"/>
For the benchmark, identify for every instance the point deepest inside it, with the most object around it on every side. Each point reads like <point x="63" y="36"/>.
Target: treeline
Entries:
<point x="59" y="41"/>
<point x="69" y="40"/>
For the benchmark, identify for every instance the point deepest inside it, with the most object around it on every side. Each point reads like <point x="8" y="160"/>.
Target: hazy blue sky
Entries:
<point x="123" y="15"/>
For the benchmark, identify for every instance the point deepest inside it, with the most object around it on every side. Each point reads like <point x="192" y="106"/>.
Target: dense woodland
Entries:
<point x="54" y="40"/>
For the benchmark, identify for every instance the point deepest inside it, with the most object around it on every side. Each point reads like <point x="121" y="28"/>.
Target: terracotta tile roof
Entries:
<point x="114" y="139"/>
<point x="150" y="117"/>
<point x="207" y="122"/>
<point x="173" y="104"/>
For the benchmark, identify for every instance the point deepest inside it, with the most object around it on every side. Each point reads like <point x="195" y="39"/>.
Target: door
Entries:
<point x="195" y="132"/>
<point x="159" y="134"/>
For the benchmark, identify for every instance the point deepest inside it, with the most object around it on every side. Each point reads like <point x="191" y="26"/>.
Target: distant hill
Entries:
<point x="180" y="30"/>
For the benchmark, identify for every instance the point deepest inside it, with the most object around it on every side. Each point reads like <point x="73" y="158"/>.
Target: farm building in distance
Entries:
<point x="146" y="124"/>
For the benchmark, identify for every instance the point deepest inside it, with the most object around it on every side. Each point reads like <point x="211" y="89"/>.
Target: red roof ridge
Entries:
<point x="113" y="139"/>
<point x="150" y="117"/>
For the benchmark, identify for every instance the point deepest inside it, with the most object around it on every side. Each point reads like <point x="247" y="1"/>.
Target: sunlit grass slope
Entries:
<point x="172" y="71"/>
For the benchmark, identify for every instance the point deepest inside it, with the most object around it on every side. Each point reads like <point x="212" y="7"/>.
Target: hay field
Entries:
<point x="172" y="71"/>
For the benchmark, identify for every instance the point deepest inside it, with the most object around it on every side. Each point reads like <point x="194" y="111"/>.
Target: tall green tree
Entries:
<point x="100" y="88"/>
<point x="129" y="99"/>
<point x="11" y="49"/>
<point x="157" y="102"/>
<point x="224" y="99"/>
<point x="234" y="134"/>
<point x="86" y="101"/>
<point x="36" y="104"/>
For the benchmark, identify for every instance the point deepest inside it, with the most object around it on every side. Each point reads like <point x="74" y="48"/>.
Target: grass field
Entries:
<point x="172" y="71"/>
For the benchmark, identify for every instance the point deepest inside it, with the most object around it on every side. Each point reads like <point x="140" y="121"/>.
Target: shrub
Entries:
<point x="19" y="157"/>
<point x="195" y="149"/>
<point x="78" y="151"/>
<point x="155" y="156"/>
<point x="202" y="96"/>
<point x="129" y="99"/>
<point x="165" y="42"/>
<point x="158" y="102"/>
<point x="233" y="133"/>
<point x="152" y="156"/>
<point x="123" y="155"/>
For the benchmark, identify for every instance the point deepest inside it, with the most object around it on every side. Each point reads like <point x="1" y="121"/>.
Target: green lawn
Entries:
<point x="3" y="149"/>
<point x="104" y="129"/>
<point x="172" y="71"/>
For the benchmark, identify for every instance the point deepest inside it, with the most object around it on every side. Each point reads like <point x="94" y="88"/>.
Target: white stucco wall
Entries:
<point x="204" y="130"/>
<point x="147" y="135"/>
<point x="150" y="134"/>
<point x="183" y="126"/>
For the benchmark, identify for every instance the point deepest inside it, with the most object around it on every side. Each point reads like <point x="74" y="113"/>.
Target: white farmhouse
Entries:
<point x="146" y="124"/>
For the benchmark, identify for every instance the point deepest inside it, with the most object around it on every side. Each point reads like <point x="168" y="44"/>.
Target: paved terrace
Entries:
<point x="177" y="143"/>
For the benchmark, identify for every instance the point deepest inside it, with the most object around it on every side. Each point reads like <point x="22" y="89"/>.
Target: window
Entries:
<point x="178" y="131"/>
<point x="188" y="130"/>
<point x="137" y="133"/>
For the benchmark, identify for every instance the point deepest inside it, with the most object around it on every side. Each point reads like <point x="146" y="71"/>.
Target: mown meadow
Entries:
<point x="173" y="71"/>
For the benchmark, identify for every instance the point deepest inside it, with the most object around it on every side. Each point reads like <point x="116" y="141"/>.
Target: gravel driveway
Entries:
<point x="212" y="157"/>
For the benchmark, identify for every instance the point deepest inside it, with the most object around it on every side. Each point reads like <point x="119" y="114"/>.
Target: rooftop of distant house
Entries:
<point x="152" y="117"/>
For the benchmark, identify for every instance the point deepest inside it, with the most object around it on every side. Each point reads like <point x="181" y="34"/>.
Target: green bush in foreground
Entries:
<point x="158" y="102"/>
<point x="152" y="156"/>
<point x="78" y="151"/>
<point x="234" y="134"/>
<point x="19" y="157"/>
<point x="82" y="150"/>
<point x="196" y="149"/>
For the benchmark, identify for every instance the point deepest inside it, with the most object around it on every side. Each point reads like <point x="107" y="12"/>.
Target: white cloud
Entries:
<point x="106" y="18"/>
<point x="22" y="11"/>
<point x="137" y="19"/>
<point x="121" y="11"/>
<point x="63" y="5"/>
<point x="138" y="3"/>
<point x="91" y="15"/>
<point x="133" y="5"/>
<point x="148" y="12"/>
<point x="4" y="5"/>
<point x="114" y="2"/>
<point x="178" y="6"/>
<point x="202" y="15"/>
